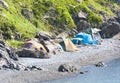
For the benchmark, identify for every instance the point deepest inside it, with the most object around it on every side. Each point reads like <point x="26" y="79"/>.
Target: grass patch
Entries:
<point x="15" y="43"/>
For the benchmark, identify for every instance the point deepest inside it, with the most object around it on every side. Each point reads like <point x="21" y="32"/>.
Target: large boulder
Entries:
<point x="25" y="52"/>
<point x="53" y="48"/>
<point x="44" y="36"/>
<point x="110" y="30"/>
<point x="67" y="68"/>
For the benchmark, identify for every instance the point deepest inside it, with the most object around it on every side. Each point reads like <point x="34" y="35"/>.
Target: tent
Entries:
<point x="67" y="45"/>
<point x="35" y="45"/>
<point x="84" y="38"/>
<point x="94" y="32"/>
<point x="77" y="40"/>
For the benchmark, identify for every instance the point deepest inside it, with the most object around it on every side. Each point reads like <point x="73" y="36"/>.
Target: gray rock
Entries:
<point x="28" y="14"/>
<point x="43" y="36"/>
<point x="118" y="15"/>
<point x="109" y="30"/>
<point x="73" y="32"/>
<point x="67" y="68"/>
<point x="81" y="72"/>
<point x="82" y="25"/>
<point x="63" y="34"/>
<point x="117" y="1"/>
<point x="7" y="52"/>
<point x="4" y="4"/>
<point x="100" y="64"/>
<point x="8" y="57"/>
<point x="79" y="1"/>
<point x="25" y="52"/>
<point x="53" y="48"/>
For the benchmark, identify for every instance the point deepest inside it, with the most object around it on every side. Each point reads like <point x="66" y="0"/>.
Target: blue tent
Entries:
<point x="84" y="38"/>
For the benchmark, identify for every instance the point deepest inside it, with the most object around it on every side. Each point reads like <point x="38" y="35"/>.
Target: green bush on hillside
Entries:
<point x="94" y="19"/>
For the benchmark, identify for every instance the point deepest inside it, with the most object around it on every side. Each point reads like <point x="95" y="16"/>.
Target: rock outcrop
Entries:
<point x="110" y="29"/>
<point x="25" y="52"/>
<point x="44" y="36"/>
<point x="8" y="57"/>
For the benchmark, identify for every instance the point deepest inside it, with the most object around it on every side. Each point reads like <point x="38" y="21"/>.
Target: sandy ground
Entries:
<point x="87" y="55"/>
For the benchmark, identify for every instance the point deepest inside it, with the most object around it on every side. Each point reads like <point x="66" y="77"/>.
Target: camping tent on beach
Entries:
<point x="66" y="44"/>
<point x="94" y="32"/>
<point x="84" y="38"/>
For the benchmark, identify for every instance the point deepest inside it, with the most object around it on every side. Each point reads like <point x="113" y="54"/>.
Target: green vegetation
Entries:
<point x="30" y="16"/>
<point x="94" y="19"/>
<point x="15" y="43"/>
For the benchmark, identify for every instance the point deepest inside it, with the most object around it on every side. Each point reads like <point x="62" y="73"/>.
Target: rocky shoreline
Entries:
<point x="87" y="55"/>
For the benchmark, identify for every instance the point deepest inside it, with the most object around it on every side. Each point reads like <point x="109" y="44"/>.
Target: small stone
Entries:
<point x="100" y="64"/>
<point x="81" y="72"/>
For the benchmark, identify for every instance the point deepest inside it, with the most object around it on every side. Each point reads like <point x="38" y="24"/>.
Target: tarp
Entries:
<point x="34" y="44"/>
<point x="77" y="40"/>
<point x="85" y="39"/>
<point x="92" y="30"/>
<point x="67" y="45"/>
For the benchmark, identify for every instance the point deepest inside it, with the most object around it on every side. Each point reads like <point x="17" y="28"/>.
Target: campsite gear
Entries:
<point x="77" y="41"/>
<point x="67" y="45"/>
<point x="94" y="32"/>
<point x="85" y="39"/>
<point x="34" y="44"/>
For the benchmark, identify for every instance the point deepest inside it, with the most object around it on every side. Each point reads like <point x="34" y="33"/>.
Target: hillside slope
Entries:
<point x="30" y="16"/>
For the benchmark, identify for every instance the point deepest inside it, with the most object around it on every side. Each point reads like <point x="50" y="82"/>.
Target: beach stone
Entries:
<point x="81" y="72"/>
<point x="67" y="68"/>
<point x="100" y="64"/>
<point x="33" y="67"/>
